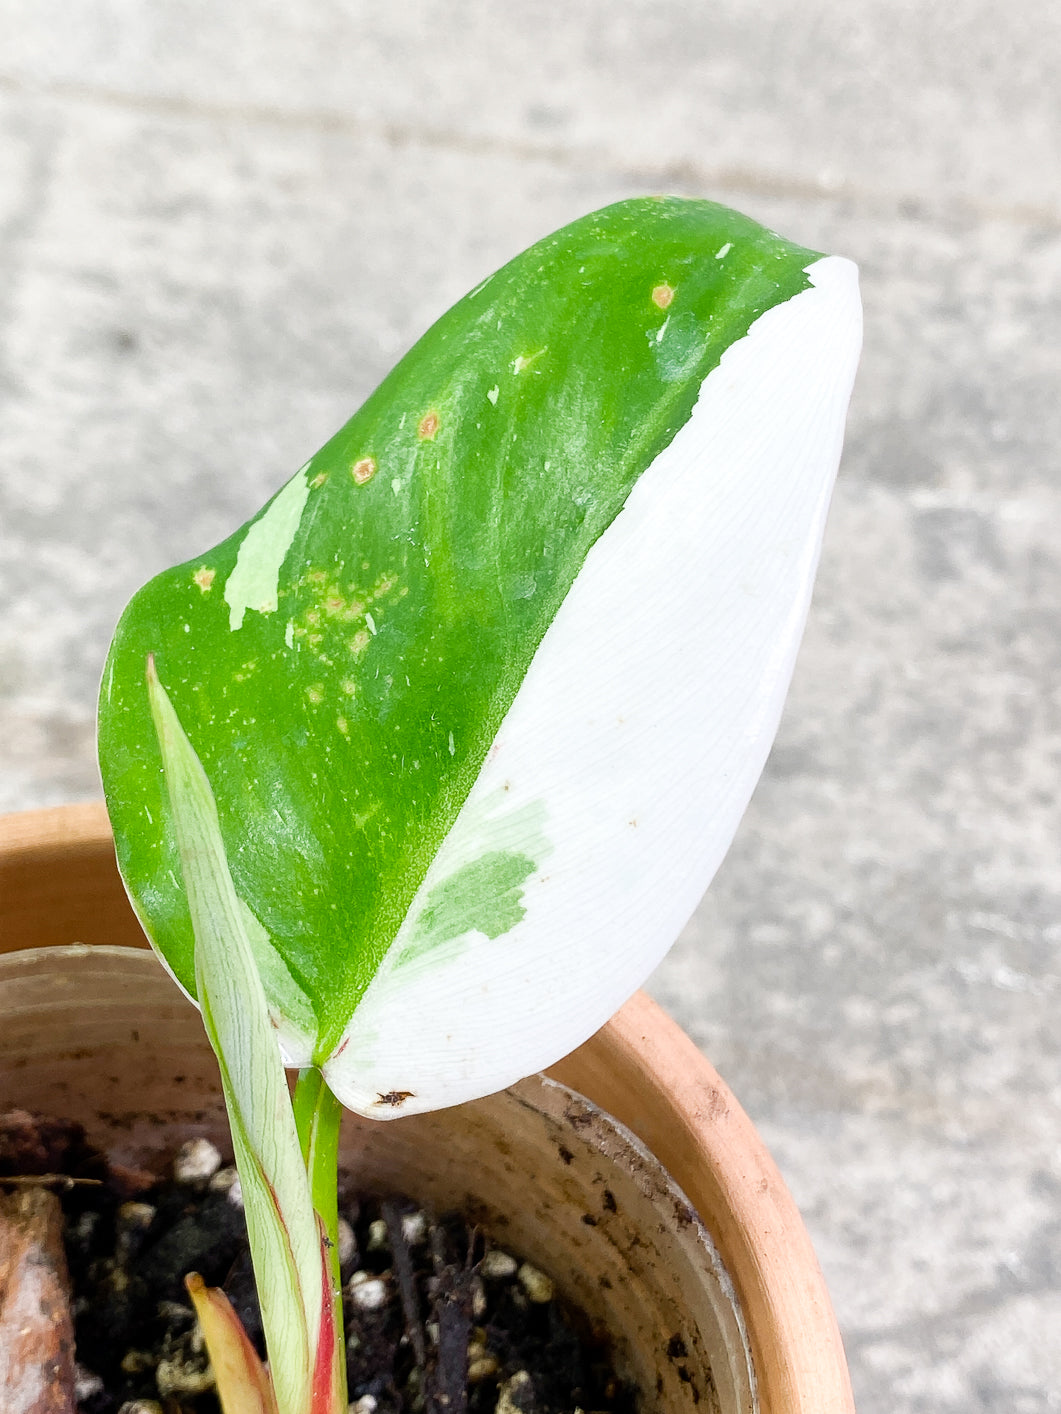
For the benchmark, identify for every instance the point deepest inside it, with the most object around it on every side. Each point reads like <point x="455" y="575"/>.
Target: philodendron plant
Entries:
<point x="416" y="776"/>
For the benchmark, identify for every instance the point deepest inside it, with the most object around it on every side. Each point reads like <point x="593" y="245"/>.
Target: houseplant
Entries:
<point x="409" y="710"/>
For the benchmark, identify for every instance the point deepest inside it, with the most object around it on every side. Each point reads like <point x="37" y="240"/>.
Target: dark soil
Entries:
<point x="438" y="1317"/>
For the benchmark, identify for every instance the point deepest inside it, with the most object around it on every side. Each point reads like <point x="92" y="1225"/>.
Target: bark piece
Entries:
<point x="447" y="1385"/>
<point x="36" y="1331"/>
<point x="403" y="1270"/>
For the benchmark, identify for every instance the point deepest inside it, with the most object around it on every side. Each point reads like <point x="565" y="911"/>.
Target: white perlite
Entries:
<point x="377" y="1235"/>
<point x="368" y="1292"/>
<point x="346" y="1243"/>
<point x="515" y="1394"/>
<point x="414" y="1228"/>
<point x="197" y="1161"/>
<point x="498" y="1264"/>
<point x="87" y="1384"/>
<point x="536" y="1284"/>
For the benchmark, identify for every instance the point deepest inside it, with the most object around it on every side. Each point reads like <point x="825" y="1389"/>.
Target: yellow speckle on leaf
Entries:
<point x="662" y="296"/>
<point x="319" y="479"/>
<point x="364" y="469"/>
<point x="343" y="725"/>
<point x="316" y="693"/>
<point x="360" y="642"/>
<point x="428" y="427"/>
<point x="349" y="687"/>
<point x="204" y="578"/>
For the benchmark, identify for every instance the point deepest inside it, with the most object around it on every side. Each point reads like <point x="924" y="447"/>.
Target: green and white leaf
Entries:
<point x="284" y="1238"/>
<point x="483" y="692"/>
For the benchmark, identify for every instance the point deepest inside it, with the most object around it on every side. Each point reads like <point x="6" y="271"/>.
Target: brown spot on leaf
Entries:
<point x="662" y="296"/>
<point x="204" y="578"/>
<point x="428" y="426"/>
<point x="394" y="1098"/>
<point x="363" y="470"/>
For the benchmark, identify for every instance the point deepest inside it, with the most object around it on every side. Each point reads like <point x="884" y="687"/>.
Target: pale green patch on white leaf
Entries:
<point x="473" y="893"/>
<point x="482" y="897"/>
<point x="476" y="887"/>
<point x="281" y="1225"/>
<point x="255" y="577"/>
<point x="641" y="729"/>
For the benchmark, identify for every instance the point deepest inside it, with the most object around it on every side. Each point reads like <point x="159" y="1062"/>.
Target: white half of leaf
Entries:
<point x="639" y="732"/>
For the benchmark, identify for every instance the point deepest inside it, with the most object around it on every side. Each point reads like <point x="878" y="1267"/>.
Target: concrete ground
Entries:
<point x="219" y="226"/>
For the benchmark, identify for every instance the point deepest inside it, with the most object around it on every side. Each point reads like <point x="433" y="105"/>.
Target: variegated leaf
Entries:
<point x="484" y="690"/>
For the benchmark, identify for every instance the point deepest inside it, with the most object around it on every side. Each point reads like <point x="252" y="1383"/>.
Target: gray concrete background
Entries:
<point x="220" y="225"/>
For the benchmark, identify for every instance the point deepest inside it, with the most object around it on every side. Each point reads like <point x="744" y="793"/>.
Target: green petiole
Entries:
<point x="318" y="1115"/>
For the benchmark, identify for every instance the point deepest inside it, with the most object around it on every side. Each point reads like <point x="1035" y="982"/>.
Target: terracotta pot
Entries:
<point x="701" y="1270"/>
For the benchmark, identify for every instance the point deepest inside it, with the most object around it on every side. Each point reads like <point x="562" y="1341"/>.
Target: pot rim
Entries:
<point x="640" y="1067"/>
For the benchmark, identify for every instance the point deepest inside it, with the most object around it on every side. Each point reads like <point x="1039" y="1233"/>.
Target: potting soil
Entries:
<point x="438" y="1317"/>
